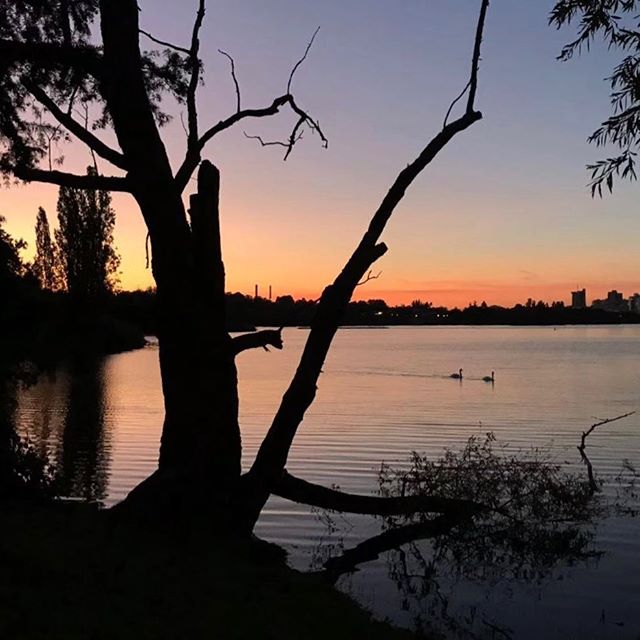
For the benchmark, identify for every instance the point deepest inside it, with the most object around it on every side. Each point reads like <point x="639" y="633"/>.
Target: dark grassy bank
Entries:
<point x="69" y="574"/>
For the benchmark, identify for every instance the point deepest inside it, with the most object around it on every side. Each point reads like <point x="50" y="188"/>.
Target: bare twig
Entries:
<point x="369" y="277"/>
<point x="593" y="485"/>
<point x="296" y="134"/>
<point x="453" y="104"/>
<point x="304" y="57"/>
<point x="233" y="75"/>
<point x="169" y="45"/>
<point x="266" y="143"/>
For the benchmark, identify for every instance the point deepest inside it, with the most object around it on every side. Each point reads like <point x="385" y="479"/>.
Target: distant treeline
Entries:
<point x="247" y="312"/>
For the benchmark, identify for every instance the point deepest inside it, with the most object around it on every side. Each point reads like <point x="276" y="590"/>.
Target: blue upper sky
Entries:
<point x="502" y="214"/>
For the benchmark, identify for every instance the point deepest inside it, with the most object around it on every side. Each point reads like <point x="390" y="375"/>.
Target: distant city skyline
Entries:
<point x="580" y="298"/>
<point x="503" y="215"/>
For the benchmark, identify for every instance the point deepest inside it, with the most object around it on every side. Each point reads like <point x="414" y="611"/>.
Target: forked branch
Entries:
<point x="593" y="485"/>
<point x="196" y="144"/>
<point x="192" y="157"/>
<point x="370" y="276"/>
<point x="472" y="84"/>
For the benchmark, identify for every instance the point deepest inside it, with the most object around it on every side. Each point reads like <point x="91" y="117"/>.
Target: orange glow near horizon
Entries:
<point x="301" y="262"/>
<point x="501" y="215"/>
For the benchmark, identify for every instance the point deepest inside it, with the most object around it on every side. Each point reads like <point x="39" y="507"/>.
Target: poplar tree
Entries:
<point x="84" y="242"/>
<point x="44" y="264"/>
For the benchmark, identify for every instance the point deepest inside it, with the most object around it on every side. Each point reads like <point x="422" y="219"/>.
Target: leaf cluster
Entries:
<point x="53" y="46"/>
<point x="617" y="22"/>
<point x="84" y="244"/>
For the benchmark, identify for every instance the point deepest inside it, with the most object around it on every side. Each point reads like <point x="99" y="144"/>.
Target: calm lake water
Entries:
<point x="384" y="393"/>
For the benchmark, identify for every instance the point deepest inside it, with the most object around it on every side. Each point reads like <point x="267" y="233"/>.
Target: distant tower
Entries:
<point x="269" y="292"/>
<point x="579" y="299"/>
<point x="255" y="295"/>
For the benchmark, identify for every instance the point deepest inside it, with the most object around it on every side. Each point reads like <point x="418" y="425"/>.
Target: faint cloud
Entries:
<point x="528" y="275"/>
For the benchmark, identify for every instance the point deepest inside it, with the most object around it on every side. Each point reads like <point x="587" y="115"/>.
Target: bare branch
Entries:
<point x="305" y="118"/>
<point x="369" y="277"/>
<point x="102" y="183"/>
<point x="192" y="157"/>
<point x="192" y="113"/>
<point x="315" y="495"/>
<point x="175" y="47"/>
<point x="304" y="57"/>
<point x="593" y="485"/>
<point x="257" y="339"/>
<point x="475" y="61"/>
<point x="233" y="75"/>
<point x="472" y="84"/>
<point x="73" y="126"/>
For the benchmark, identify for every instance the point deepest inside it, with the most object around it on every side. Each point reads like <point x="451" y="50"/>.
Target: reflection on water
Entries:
<point x="64" y="419"/>
<point x="383" y="394"/>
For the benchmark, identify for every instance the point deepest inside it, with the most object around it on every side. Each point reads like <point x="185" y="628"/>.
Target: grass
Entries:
<point x="67" y="573"/>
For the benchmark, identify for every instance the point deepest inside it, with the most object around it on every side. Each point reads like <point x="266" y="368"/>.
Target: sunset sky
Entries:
<point x="503" y="214"/>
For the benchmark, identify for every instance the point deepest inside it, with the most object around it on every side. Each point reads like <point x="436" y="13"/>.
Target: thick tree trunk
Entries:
<point x="199" y="463"/>
<point x="200" y="449"/>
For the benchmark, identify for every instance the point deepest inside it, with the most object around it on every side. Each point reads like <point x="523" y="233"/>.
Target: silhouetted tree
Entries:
<point x="51" y="62"/>
<point x="11" y="266"/>
<point x="44" y="267"/>
<point x="616" y="22"/>
<point x="84" y="242"/>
